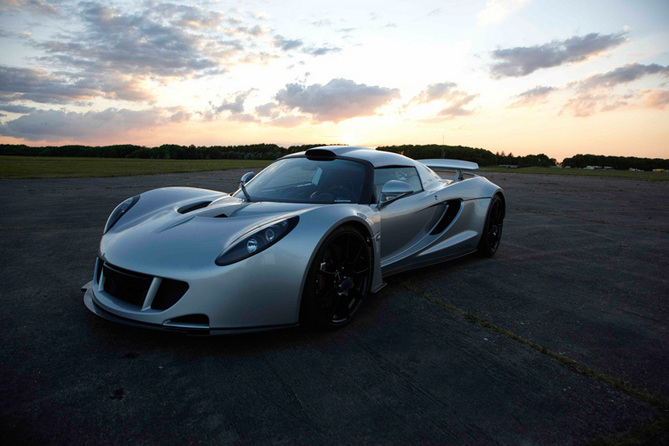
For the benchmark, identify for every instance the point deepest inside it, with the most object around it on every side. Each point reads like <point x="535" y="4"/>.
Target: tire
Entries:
<point x="339" y="279"/>
<point x="492" y="231"/>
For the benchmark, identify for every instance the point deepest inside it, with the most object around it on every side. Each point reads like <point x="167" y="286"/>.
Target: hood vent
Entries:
<point x="193" y="207"/>
<point x="221" y="216"/>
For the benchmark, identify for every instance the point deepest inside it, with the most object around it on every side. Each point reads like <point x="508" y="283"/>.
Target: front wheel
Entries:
<point x="339" y="279"/>
<point x="492" y="231"/>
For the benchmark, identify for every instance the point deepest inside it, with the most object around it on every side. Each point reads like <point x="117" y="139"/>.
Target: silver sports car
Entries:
<point x="307" y="240"/>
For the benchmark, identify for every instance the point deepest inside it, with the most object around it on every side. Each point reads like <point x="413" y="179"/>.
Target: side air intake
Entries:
<point x="448" y="217"/>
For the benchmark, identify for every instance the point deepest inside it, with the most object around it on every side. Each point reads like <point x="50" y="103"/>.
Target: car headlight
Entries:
<point x="257" y="242"/>
<point x="120" y="211"/>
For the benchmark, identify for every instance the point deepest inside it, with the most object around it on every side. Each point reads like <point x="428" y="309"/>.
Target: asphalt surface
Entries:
<point x="560" y="338"/>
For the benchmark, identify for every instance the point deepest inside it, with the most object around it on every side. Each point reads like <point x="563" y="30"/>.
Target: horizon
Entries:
<point x="513" y="76"/>
<point x="558" y="161"/>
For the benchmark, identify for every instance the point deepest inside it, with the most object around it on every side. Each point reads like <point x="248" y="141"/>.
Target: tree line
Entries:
<point x="166" y="151"/>
<point x="617" y="162"/>
<point x="272" y="151"/>
<point x="482" y="157"/>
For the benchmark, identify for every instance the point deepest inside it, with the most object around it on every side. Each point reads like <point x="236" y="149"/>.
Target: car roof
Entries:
<point x="378" y="158"/>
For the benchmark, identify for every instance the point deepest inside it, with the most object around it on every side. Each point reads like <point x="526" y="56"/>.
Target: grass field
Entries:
<point x="61" y="167"/>
<point x="658" y="176"/>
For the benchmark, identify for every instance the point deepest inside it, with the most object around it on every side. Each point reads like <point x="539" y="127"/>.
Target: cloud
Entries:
<point x="235" y="105"/>
<point x="621" y="75"/>
<point x="454" y="100"/>
<point x="163" y="40"/>
<point x="521" y="61"/>
<point x="37" y="85"/>
<point x="337" y="100"/>
<point x="287" y="44"/>
<point x="253" y="31"/>
<point x="597" y="93"/>
<point x="435" y="92"/>
<point x="496" y="11"/>
<point x="269" y="110"/>
<point x="532" y="97"/>
<point x="288" y="121"/>
<point x="321" y="51"/>
<point x="587" y="104"/>
<point x="322" y="23"/>
<point x="456" y="108"/>
<point x="22" y="109"/>
<point x="187" y="16"/>
<point x="138" y="44"/>
<point x="115" y="52"/>
<point x="657" y="99"/>
<point x="55" y="125"/>
<point x="40" y="6"/>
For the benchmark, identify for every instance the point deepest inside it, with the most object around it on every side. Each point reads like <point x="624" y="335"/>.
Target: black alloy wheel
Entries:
<point x="339" y="279"/>
<point x="492" y="231"/>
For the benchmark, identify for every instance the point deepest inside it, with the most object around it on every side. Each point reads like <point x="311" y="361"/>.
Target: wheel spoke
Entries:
<point x="348" y="249"/>
<point x="337" y="253"/>
<point x="357" y="254"/>
<point x="341" y="309"/>
<point x="328" y="299"/>
<point x="356" y="272"/>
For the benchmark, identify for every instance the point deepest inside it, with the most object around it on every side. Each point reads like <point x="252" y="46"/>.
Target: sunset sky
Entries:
<point x="521" y="76"/>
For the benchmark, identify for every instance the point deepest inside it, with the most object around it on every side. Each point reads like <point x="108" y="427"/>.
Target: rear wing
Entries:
<point x="456" y="165"/>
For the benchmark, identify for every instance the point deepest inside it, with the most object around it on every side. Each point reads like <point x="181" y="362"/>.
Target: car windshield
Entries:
<point x="302" y="180"/>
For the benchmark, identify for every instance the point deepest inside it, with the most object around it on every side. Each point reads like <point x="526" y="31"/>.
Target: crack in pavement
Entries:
<point x="571" y="364"/>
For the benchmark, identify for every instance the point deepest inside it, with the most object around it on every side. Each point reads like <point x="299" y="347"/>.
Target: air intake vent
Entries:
<point x="193" y="207"/>
<point x="169" y="293"/>
<point x="133" y="287"/>
<point x="128" y="286"/>
<point x="320" y="154"/>
<point x="221" y="216"/>
<point x="448" y="217"/>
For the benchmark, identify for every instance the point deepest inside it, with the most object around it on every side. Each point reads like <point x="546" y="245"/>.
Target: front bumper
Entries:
<point x="181" y="328"/>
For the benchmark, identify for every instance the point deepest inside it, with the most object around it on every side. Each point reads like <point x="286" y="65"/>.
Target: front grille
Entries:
<point x="126" y="285"/>
<point x="133" y="287"/>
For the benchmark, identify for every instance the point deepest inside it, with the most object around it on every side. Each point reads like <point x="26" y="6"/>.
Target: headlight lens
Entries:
<point x="256" y="242"/>
<point x="120" y="211"/>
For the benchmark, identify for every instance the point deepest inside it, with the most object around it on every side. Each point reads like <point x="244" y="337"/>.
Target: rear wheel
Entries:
<point x="492" y="231"/>
<point x="339" y="279"/>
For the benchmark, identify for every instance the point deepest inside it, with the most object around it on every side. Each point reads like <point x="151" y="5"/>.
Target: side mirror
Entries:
<point x="393" y="190"/>
<point x="247" y="177"/>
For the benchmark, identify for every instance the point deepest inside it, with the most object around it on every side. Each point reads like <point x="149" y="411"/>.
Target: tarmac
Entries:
<point x="562" y="337"/>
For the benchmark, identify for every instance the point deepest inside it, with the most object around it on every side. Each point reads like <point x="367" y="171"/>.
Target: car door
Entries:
<point x="404" y="221"/>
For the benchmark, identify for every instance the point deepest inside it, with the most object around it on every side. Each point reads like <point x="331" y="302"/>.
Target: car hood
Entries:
<point x="166" y="242"/>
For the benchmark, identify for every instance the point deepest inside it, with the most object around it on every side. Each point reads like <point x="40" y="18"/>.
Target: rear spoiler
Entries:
<point x="456" y="165"/>
<point x="449" y="164"/>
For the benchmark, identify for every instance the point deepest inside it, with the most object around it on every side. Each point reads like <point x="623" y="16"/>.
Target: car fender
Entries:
<point x="317" y="226"/>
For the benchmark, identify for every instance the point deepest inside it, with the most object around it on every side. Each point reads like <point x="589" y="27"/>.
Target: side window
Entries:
<point x="407" y="174"/>
<point x="428" y="176"/>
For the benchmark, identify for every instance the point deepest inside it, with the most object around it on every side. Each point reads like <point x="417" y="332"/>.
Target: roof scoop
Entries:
<point x="320" y="154"/>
